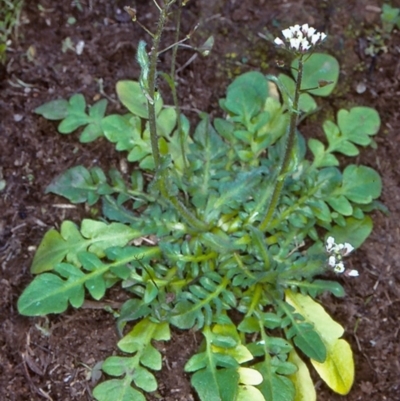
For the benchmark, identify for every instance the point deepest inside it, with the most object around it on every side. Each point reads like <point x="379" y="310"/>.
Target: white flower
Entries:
<point x="311" y="31"/>
<point x="315" y="38"/>
<point x="295" y="29"/>
<point x="352" y="273"/>
<point x="347" y="248"/>
<point x="295" y="43"/>
<point x="300" y="38"/>
<point x="305" y="44"/>
<point x="336" y="253"/>
<point x="304" y="29"/>
<point x="339" y="268"/>
<point x="287" y="33"/>
<point x="330" y="242"/>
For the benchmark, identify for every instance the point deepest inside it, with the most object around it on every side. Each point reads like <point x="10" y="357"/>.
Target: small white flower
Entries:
<point x="330" y="242"/>
<point x="305" y="44"/>
<point x="295" y="29"/>
<point x="279" y="42"/>
<point x="304" y="29"/>
<point x="300" y="38"/>
<point x="352" y="273"/>
<point x="287" y="33"/>
<point x="347" y="248"/>
<point x="339" y="268"/>
<point x="295" y="43"/>
<point x="311" y="31"/>
<point x="323" y="36"/>
<point x="332" y="261"/>
<point x="315" y="38"/>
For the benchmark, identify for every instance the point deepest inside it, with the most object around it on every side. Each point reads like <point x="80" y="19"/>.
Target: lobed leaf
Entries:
<point x="79" y="185"/>
<point x="117" y="390"/>
<point x="49" y="293"/>
<point x="274" y="387"/>
<point x="94" y="236"/>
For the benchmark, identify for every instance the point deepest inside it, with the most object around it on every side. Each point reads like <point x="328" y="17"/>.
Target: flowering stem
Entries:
<point x="152" y="83"/>
<point x="185" y="213"/>
<point x="289" y="145"/>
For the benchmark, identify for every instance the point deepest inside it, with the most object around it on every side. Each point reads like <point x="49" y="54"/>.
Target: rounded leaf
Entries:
<point x="361" y="184"/>
<point x="318" y="68"/>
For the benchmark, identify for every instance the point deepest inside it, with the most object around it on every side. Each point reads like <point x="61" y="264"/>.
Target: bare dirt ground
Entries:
<point x="55" y="358"/>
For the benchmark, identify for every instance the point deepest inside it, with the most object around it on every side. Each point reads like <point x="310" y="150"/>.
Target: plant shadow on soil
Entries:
<point x="52" y="359"/>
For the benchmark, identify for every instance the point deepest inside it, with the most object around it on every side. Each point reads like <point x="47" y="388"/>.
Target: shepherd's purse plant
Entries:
<point x="240" y="227"/>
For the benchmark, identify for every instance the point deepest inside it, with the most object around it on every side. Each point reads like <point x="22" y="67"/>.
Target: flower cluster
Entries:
<point x="300" y="38"/>
<point x="337" y="252"/>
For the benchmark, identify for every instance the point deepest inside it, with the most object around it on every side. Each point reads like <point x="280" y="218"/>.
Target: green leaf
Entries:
<point x="217" y="385"/>
<point x="341" y="205"/>
<point x="308" y="340"/>
<point x="131" y="96"/>
<point x="49" y="293"/>
<point x="138" y="341"/>
<point x="54" y="110"/>
<point x="355" y="231"/>
<point x="318" y="67"/>
<point x="76" y="115"/>
<point x="117" y="390"/>
<point x="358" y="124"/>
<point x="105" y="236"/>
<point x="94" y="130"/>
<point x="321" y="157"/>
<point x="306" y="102"/>
<point x="96" y="237"/>
<point x="361" y="184"/>
<point x="246" y="96"/>
<point x="78" y="184"/>
<point x="274" y="387"/>
<point x="55" y="247"/>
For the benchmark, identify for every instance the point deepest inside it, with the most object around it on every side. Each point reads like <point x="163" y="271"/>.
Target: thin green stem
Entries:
<point x="152" y="84"/>
<point x="173" y="89"/>
<point x="290" y="142"/>
<point x="162" y="179"/>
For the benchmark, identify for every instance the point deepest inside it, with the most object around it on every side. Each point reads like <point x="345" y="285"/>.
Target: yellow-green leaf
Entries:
<point x="249" y="393"/>
<point x="250" y="376"/>
<point x="302" y="381"/>
<point x="313" y="312"/>
<point x="338" y="369"/>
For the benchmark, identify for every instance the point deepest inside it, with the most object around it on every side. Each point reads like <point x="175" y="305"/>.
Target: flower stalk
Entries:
<point x="299" y="40"/>
<point x="148" y="82"/>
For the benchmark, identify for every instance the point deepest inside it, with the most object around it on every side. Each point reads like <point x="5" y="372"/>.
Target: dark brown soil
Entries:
<point x="55" y="359"/>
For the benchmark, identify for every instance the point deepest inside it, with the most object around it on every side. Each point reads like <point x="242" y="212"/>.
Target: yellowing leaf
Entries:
<point x="338" y="369"/>
<point x="313" y="312"/>
<point x="249" y="393"/>
<point x="250" y="376"/>
<point x="302" y="381"/>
